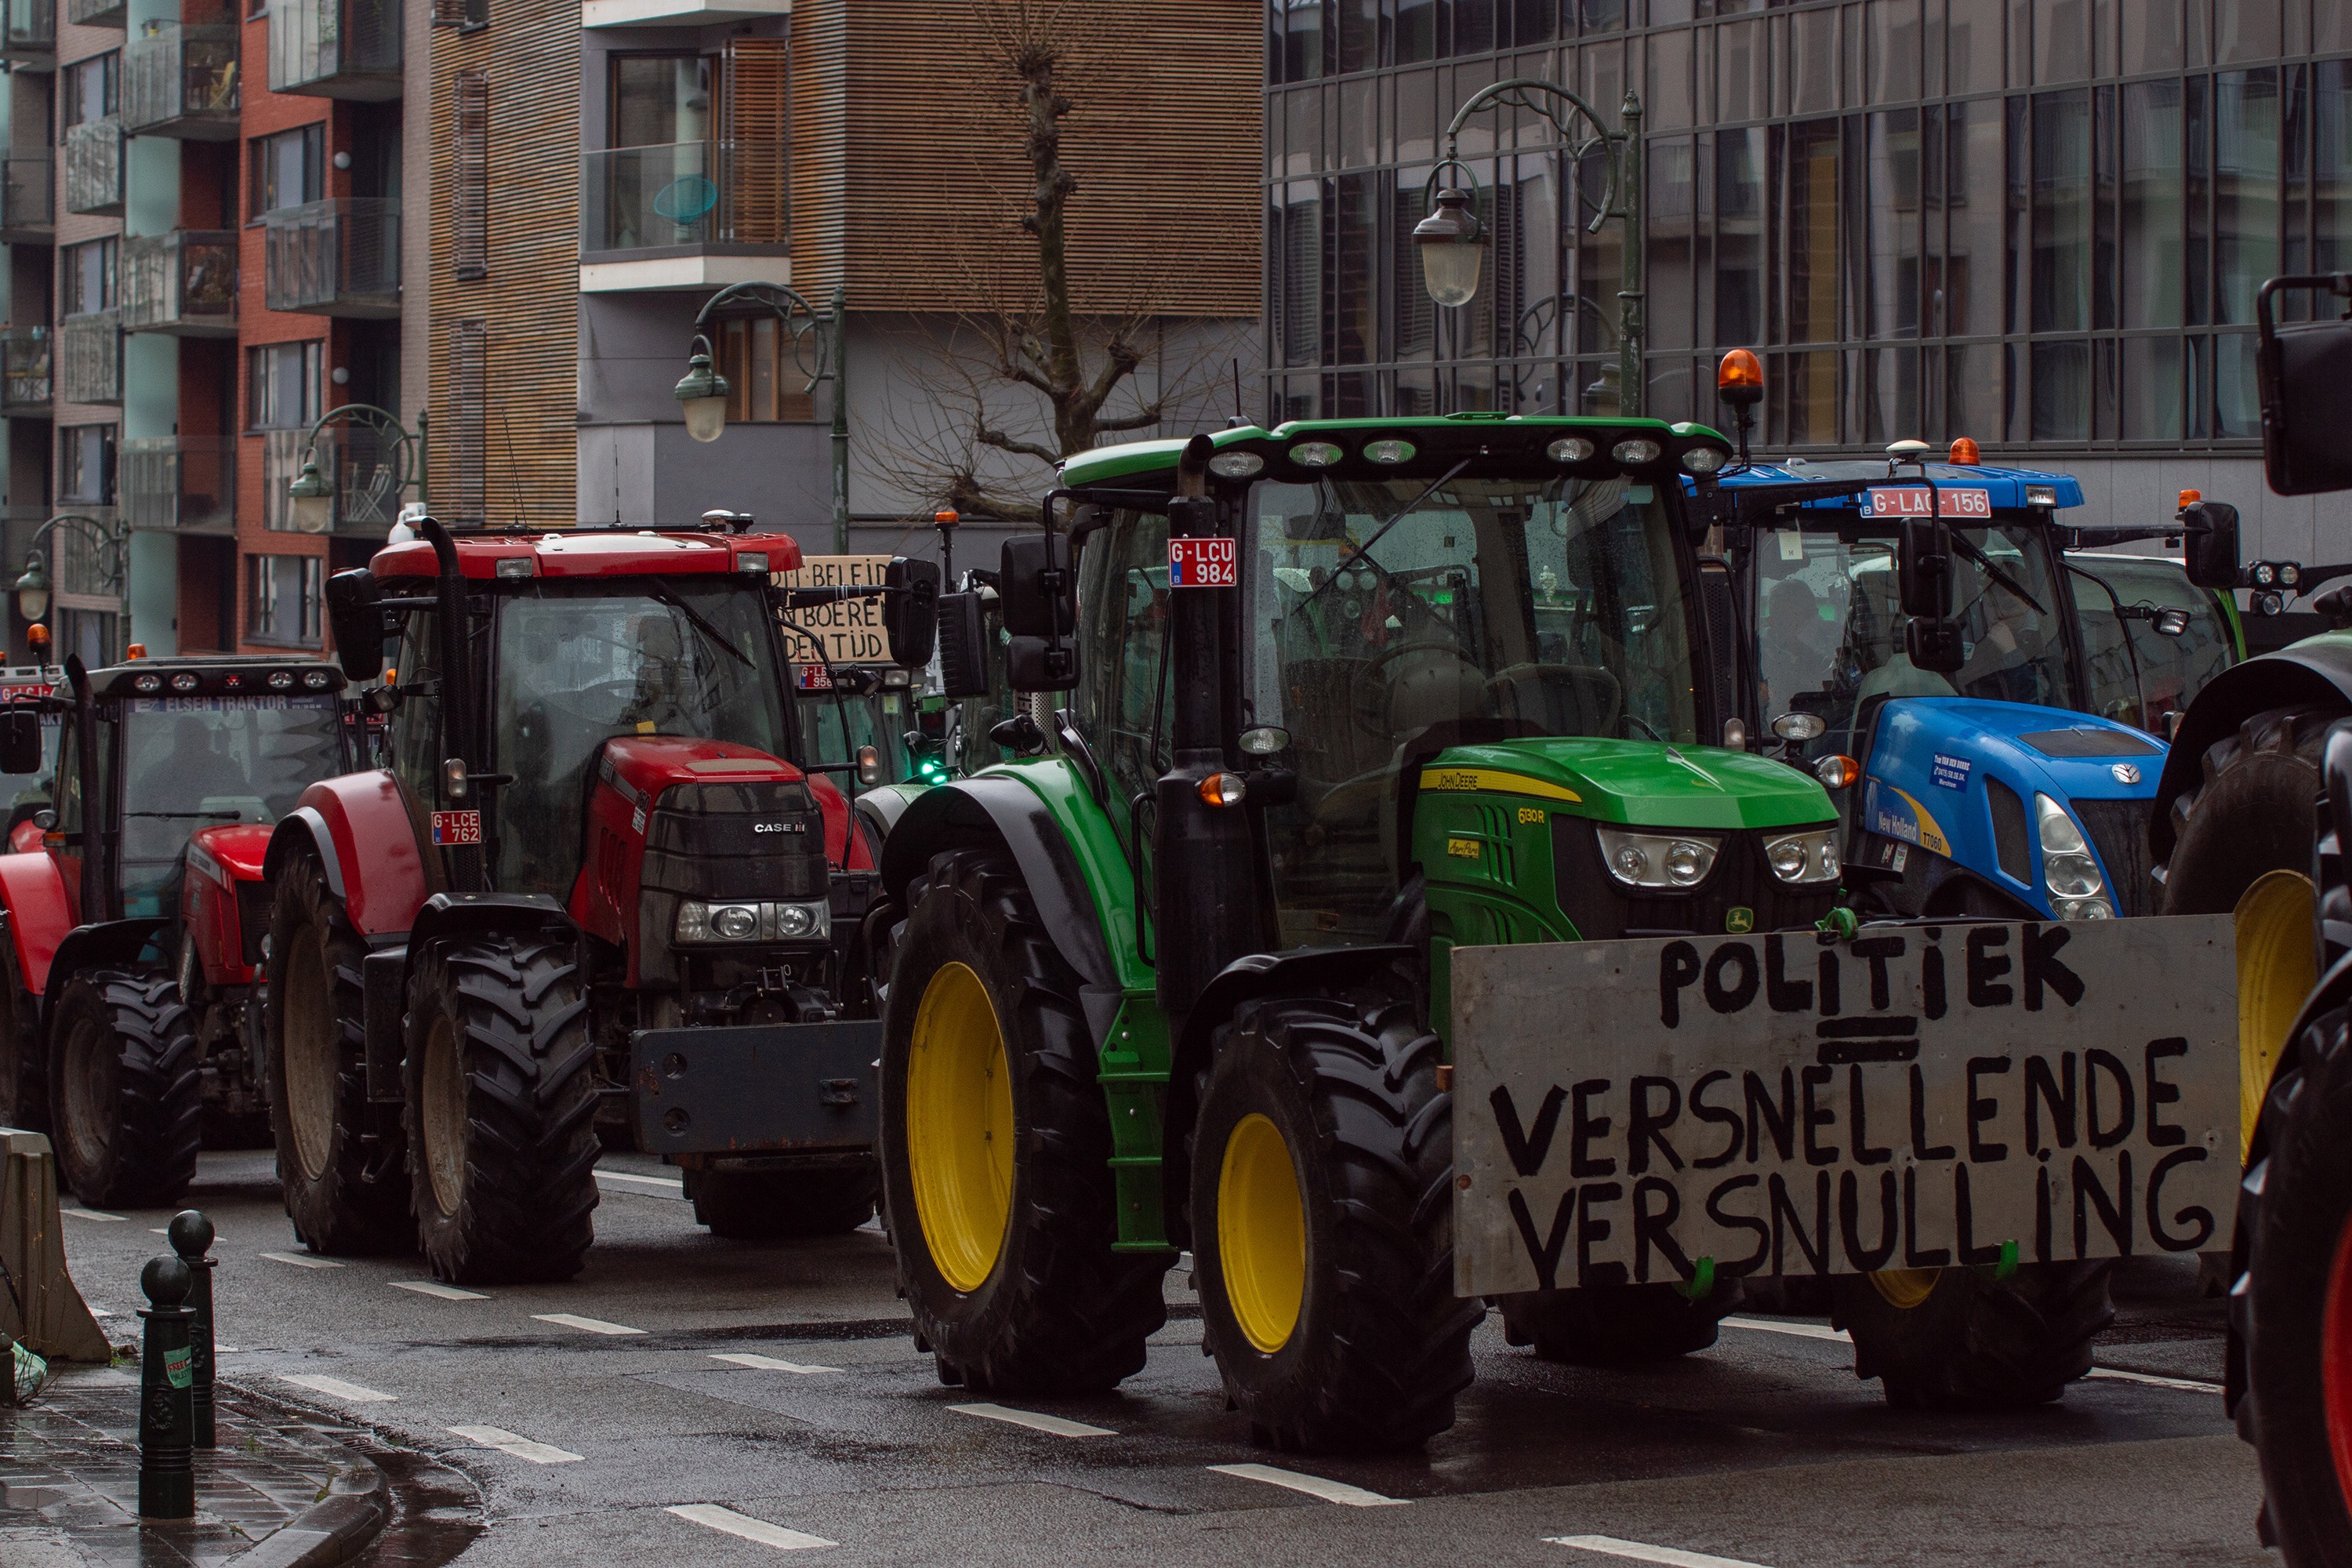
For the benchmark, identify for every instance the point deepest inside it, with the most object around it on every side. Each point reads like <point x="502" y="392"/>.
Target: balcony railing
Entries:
<point x="96" y="12"/>
<point x="335" y="48"/>
<point x="28" y="32"/>
<point x="94" y="167"/>
<point x="27" y="197"/>
<point x="164" y="482"/>
<point x="24" y="369"/>
<point x="181" y="79"/>
<point x="684" y="194"/>
<point x="184" y="283"/>
<point x="335" y="257"/>
<point x="90" y="358"/>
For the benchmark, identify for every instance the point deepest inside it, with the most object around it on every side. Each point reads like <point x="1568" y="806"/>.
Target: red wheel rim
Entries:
<point x="2335" y="1359"/>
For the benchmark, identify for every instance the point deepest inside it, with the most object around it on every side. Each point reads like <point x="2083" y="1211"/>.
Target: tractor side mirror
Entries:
<point x="358" y="622"/>
<point x="2303" y="371"/>
<point x="20" y="741"/>
<point x="1923" y="569"/>
<point x="1038" y="596"/>
<point x="2209" y="544"/>
<point x="910" y="610"/>
<point x="963" y="645"/>
<point x="1934" y="645"/>
<point x="1034" y="664"/>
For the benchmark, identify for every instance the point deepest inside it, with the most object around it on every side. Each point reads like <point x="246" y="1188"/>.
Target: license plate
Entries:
<point x="455" y="827"/>
<point x="1203" y="563"/>
<point x="1914" y="503"/>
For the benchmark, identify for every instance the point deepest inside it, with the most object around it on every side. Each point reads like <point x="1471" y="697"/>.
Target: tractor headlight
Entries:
<point x="1656" y="859"/>
<point x="706" y="922"/>
<point x="1804" y="857"/>
<point x="735" y="923"/>
<point x="2068" y="868"/>
<point x="797" y="920"/>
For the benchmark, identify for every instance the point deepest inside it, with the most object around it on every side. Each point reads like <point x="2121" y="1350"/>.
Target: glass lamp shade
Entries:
<point x="1453" y="249"/>
<point x="314" y="514"/>
<point x="703" y="392"/>
<point x="706" y="418"/>
<point x="33" y="592"/>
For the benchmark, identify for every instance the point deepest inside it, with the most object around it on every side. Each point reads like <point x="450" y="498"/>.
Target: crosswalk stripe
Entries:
<point x="1641" y="1551"/>
<point x="1054" y="1424"/>
<point x="300" y="1261"/>
<point x="710" y="1516"/>
<point x="585" y="1325"/>
<point x="336" y="1388"/>
<point x="435" y="1288"/>
<point x="768" y="1362"/>
<point x="1313" y="1486"/>
<point x="522" y="1447"/>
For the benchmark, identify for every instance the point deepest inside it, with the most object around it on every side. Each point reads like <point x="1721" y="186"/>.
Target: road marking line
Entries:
<point x="1801" y="1331"/>
<point x="664" y="1183"/>
<point x="161" y="1229"/>
<point x="585" y="1325"/>
<point x="98" y="1311"/>
<point x="768" y="1362"/>
<point x="1672" y="1557"/>
<point x="2191" y="1384"/>
<point x="435" y="1288"/>
<point x="298" y="1261"/>
<point x="522" y="1447"/>
<point x="335" y="1387"/>
<point x="1313" y="1486"/>
<point x="94" y="1213"/>
<point x="710" y="1516"/>
<point x="1034" y="1421"/>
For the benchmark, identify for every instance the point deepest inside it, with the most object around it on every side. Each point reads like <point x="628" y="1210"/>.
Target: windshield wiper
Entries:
<point x="204" y="815"/>
<point x="1358" y="553"/>
<point x="709" y="632"/>
<point x="1961" y="542"/>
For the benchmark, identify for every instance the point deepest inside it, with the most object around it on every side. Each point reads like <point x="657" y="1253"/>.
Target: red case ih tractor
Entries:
<point x="595" y="887"/>
<point x="134" y="930"/>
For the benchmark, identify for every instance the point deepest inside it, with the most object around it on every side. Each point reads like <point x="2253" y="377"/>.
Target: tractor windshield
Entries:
<point x="196" y="762"/>
<point x="1830" y="629"/>
<point x="2138" y="673"/>
<point x="581" y="662"/>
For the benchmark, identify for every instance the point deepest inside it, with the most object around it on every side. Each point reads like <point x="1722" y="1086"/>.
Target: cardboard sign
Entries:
<point x="1922" y="1096"/>
<point x="1203" y="563"/>
<point x="455" y="827"/>
<point x="1914" y="503"/>
<point x="851" y="629"/>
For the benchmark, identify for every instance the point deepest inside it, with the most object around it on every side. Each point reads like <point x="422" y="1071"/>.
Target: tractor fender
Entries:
<point x="111" y="945"/>
<point x="447" y="915"/>
<point x="2316" y="672"/>
<point x="1004" y="810"/>
<point x="359" y="829"/>
<point x="39" y="911"/>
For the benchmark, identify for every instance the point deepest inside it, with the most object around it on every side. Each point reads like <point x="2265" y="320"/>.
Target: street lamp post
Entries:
<point x="1453" y="243"/>
<point x="704" y="391"/>
<point x="313" y="492"/>
<point x="42" y="580"/>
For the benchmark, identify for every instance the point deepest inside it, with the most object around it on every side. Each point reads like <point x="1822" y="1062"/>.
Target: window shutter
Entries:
<point x="471" y="202"/>
<point x="757" y="105"/>
<point x="468" y="356"/>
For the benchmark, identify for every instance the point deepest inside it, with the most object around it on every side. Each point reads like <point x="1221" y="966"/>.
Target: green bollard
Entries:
<point x="191" y="1235"/>
<point x="167" y="1474"/>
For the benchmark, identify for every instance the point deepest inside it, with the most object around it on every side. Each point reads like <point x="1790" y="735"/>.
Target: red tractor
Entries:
<point x="30" y="683"/>
<point x="134" y="929"/>
<point x="596" y="886"/>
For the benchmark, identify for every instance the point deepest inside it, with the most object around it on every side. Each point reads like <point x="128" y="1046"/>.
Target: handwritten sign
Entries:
<point x="1914" y="503"/>
<point x="850" y="629"/>
<point x="1921" y="1097"/>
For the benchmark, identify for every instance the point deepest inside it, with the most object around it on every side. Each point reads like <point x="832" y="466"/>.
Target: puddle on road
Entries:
<point x="436" y="1513"/>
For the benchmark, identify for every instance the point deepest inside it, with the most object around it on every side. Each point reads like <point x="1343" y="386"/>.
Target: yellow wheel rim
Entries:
<point x="959" y="1127"/>
<point x="2276" y="971"/>
<point x="1905" y="1289"/>
<point x="1261" y="1232"/>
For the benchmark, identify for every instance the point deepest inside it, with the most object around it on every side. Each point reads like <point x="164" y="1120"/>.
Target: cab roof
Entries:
<point x="1438" y="441"/>
<point x="2005" y="488"/>
<point x="217" y="675"/>
<point x="596" y="553"/>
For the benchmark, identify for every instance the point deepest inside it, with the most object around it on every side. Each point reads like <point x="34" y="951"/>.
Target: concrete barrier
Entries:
<point x="38" y="1302"/>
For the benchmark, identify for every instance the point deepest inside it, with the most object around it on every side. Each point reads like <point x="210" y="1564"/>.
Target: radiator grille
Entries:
<point x="2118" y="830"/>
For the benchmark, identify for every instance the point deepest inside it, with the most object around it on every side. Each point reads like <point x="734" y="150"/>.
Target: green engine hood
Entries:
<point x="1641" y="783"/>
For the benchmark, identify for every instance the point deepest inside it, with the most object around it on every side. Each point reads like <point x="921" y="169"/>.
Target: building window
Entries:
<point x="282" y="597"/>
<point x="282" y="386"/>
<point x="469" y="344"/>
<point x="764" y="382"/>
<point x="85" y="465"/>
<point x="288" y="169"/>
<point x="92" y="88"/>
<point x="470" y="202"/>
<point x="464" y="14"/>
<point x="85" y="275"/>
<point x="659" y="99"/>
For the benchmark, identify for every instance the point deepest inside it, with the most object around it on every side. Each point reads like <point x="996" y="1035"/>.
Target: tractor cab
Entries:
<point x="28" y="683"/>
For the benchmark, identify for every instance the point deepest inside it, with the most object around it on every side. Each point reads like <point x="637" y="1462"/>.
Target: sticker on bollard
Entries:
<point x="1920" y="1097"/>
<point x="191" y="1235"/>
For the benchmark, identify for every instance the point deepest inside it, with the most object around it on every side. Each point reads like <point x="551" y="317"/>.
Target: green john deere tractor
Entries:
<point x="1342" y="697"/>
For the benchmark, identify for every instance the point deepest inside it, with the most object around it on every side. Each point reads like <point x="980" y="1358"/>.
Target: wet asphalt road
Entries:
<point x="585" y="1441"/>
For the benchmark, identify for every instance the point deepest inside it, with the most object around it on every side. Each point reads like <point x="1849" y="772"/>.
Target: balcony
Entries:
<point x="94" y="167"/>
<point x="183" y="283"/>
<point x="335" y="48"/>
<point x="25" y="371"/>
<point x="361" y="464"/>
<point x="27" y="197"/>
<point x="336" y="258"/>
<point x="28" y="33"/>
<point x="180" y="80"/>
<point x="677" y="13"/>
<point x="90" y="358"/>
<point x="688" y="215"/>
<point x="169" y="482"/>
<point x="96" y="12"/>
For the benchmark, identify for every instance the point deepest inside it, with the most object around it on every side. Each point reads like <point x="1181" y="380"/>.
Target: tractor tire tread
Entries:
<point x="158" y="1098"/>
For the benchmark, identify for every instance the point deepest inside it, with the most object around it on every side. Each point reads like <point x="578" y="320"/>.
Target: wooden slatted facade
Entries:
<point x="508" y="445"/>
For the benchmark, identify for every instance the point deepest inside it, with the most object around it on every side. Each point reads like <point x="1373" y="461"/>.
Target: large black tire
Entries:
<point x="1617" y="1325"/>
<point x="1377" y="1344"/>
<point x="1974" y="1342"/>
<point x="2253" y="811"/>
<point x="129" y="1102"/>
<point x="338" y="1156"/>
<point x="24" y="1075"/>
<point x="2295" y="1218"/>
<point x="768" y="1205"/>
<point x="500" y="1108"/>
<point x="1044" y="1306"/>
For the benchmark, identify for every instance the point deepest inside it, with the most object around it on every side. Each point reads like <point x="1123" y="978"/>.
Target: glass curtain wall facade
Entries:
<point x="2038" y="223"/>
